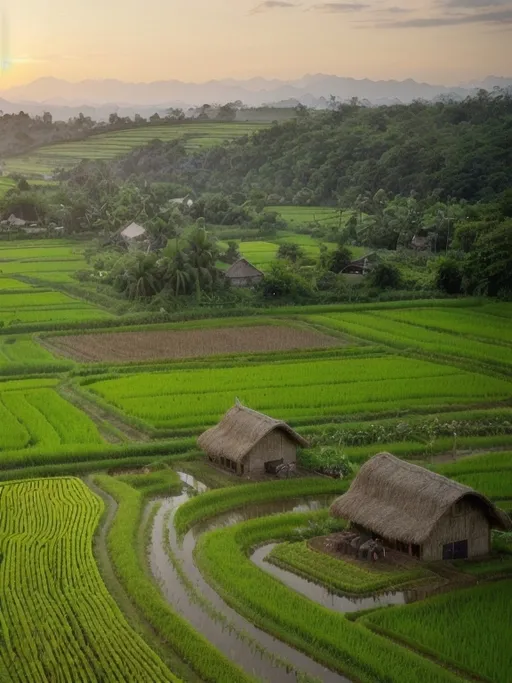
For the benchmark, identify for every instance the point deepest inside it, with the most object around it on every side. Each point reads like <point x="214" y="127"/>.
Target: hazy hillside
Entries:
<point x="461" y="150"/>
<point x="312" y="90"/>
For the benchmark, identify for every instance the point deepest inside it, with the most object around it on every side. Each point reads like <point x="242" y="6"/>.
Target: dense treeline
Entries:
<point x="459" y="150"/>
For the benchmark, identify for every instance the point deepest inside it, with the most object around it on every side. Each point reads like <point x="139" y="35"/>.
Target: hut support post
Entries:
<point x="410" y="549"/>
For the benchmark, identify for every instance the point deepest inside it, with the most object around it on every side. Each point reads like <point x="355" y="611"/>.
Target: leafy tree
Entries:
<point x="282" y="282"/>
<point x="291" y="252"/>
<point x="136" y="275"/>
<point x="489" y="267"/>
<point x="340" y="259"/>
<point x="227" y="112"/>
<point x="385" y="276"/>
<point x="449" y="276"/>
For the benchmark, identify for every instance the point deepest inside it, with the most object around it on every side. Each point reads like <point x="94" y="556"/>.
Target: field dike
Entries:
<point x="183" y="586"/>
<point x="111" y="427"/>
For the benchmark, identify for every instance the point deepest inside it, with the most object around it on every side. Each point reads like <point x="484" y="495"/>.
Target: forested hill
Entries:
<point x="460" y="150"/>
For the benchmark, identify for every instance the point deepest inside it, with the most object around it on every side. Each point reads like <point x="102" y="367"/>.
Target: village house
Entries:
<point x="243" y="274"/>
<point x="360" y="266"/>
<point x="133" y="234"/>
<point x="250" y="443"/>
<point x="419" y="512"/>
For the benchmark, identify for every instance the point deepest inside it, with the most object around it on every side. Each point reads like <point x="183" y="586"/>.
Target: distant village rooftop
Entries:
<point x="243" y="274"/>
<point x="133" y="231"/>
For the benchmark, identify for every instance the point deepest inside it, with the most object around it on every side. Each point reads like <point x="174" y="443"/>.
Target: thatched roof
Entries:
<point x="242" y="268"/>
<point x="402" y="501"/>
<point x="239" y="431"/>
<point x="132" y="231"/>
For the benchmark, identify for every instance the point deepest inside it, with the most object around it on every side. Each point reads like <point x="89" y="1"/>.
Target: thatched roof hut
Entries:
<point x="412" y="506"/>
<point x="360" y="266"/>
<point x="250" y="442"/>
<point x="132" y="231"/>
<point x="243" y="274"/>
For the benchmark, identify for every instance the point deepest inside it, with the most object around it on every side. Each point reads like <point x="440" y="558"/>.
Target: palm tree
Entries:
<point x="201" y="255"/>
<point x="140" y="277"/>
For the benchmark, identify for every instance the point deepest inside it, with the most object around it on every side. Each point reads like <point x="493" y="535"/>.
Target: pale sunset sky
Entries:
<point x="440" y="41"/>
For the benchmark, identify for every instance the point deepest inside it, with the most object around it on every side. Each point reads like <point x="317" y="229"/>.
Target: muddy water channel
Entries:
<point x="254" y="650"/>
<point x="338" y="603"/>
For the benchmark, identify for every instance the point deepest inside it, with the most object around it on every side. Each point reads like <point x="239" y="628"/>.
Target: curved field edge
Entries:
<point x="58" y="618"/>
<point x="339" y="576"/>
<point x="186" y="642"/>
<point x="213" y="503"/>
<point x="328" y="637"/>
<point x="480" y="614"/>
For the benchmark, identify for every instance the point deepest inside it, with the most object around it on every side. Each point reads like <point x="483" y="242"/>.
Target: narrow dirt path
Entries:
<point x="111" y="427"/>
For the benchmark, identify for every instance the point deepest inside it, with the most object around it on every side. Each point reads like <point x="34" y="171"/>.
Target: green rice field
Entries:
<point x="302" y="390"/>
<point x="322" y="216"/>
<point x="105" y="146"/>
<point x="473" y="334"/>
<point x="136" y="573"/>
<point x="481" y="617"/>
<point x="262" y="253"/>
<point x="53" y="592"/>
<point x="35" y="415"/>
<point x="36" y="307"/>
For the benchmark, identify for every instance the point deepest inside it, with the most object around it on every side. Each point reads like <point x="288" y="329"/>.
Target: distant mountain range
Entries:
<point x="98" y="98"/>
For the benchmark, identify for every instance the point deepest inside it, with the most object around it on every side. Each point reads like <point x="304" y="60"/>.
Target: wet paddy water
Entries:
<point x="254" y="650"/>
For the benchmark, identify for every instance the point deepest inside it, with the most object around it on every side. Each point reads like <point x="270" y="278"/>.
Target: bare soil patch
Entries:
<point x="157" y="345"/>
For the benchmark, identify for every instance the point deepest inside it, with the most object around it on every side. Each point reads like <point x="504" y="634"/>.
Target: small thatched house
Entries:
<point x="419" y="512"/>
<point x="360" y="266"/>
<point x="243" y="274"/>
<point x="248" y="442"/>
<point x="133" y="233"/>
<point x="420" y="242"/>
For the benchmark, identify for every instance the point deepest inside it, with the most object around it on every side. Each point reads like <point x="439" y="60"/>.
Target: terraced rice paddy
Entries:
<point x="32" y="414"/>
<point x="36" y="307"/>
<point x="22" y="349"/>
<point x="298" y="391"/>
<point x="137" y="346"/>
<point x="461" y="333"/>
<point x="184" y="570"/>
<point x="45" y="260"/>
<point x="58" y="621"/>
<point x="482" y="617"/>
<point x="107" y="146"/>
<point x="321" y="216"/>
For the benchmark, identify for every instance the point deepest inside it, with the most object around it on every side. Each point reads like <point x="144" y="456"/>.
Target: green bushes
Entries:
<point x="58" y="620"/>
<point x="213" y="503"/>
<point x="190" y="646"/>
<point x="469" y="629"/>
<point x="325" y="635"/>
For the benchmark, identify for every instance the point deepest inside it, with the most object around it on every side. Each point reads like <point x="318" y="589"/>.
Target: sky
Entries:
<point x="439" y="41"/>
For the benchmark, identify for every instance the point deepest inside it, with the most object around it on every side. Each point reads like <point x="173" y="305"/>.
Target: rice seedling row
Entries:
<point x="338" y="575"/>
<point x="328" y="637"/>
<point x="449" y="625"/>
<point x="375" y="327"/>
<point x="58" y="621"/>
<point x="466" y="322"/>
<point x="39" y="417"/>
<point x="187" y="643"/>
<point x="111" y="145"/>
<point x="22" y="349"/>
<point x="297" y="390"/>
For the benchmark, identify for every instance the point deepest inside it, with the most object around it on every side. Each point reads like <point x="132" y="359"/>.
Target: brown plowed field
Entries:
<point x="140" y="346"/>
